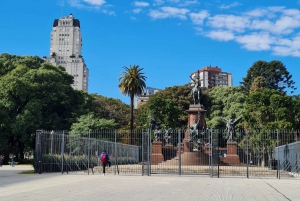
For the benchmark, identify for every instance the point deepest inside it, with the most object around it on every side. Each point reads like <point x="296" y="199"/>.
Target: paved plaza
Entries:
<point x="55" y="186"/>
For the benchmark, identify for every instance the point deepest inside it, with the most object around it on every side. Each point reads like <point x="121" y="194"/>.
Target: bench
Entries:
<point x="16" y="163"/>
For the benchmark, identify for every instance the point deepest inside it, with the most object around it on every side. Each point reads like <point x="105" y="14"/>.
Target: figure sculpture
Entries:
<point x="167" y="135"/>
<point x="230" y="128"/>
<point x="196" y="91"/>
<point x="156" y="127"/>
<point x="194" y="130"/>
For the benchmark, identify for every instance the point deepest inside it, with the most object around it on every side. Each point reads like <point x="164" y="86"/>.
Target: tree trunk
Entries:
<point x="131" y="118"/>
<point x="21" y="149"/>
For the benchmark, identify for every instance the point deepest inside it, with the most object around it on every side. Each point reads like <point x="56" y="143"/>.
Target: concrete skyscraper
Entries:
<point x="65" y="50"/>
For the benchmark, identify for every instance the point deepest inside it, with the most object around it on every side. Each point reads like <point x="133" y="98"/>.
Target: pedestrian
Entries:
<point x="104" y="159"/>
<point x="13" y="161"/>
<point x="1" y="160"/>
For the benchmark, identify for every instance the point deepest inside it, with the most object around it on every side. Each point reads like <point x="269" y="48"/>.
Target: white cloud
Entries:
<point x="109" y="12"/>
<point x="86" y="4"/>
<point x="158" y="2"/>
<point x="223" y="6"/>
<point x="141" y="4"/>
<point x="188" y="3"/>
<point x="275" y="29"/>
<point x="137" y="10"/>
<point x="167" y="12"/>
<point x="230" y="22"/>
<point x="220" y="35"/>
<point x="259" y="12"/>
<point x="133" y="18"/>
<point x="286" y="47"/>
<point x="95" y="2"/>
<point x="198" y="18"/>
<point x="256" y="41"/>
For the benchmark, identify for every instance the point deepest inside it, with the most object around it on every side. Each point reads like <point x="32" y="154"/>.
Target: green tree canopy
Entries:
<point x="225" y="102"/>
<point x="88" y="122"/>
<point x="34" y="95"/>
<point x="110" y="108"/>
<point x="274" y="73"/>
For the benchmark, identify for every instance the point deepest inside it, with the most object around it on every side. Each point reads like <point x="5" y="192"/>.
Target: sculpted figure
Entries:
<point x="230" y="128"/>
<point x="196" y="91"/>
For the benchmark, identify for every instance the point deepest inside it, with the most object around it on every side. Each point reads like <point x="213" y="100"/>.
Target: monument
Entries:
<point x="231" y="156"/>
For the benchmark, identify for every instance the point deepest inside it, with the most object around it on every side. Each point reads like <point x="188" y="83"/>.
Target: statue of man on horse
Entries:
<point x="196" y="91"/>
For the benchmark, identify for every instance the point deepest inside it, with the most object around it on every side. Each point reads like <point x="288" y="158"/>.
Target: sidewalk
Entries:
<point x="55" y="186"/>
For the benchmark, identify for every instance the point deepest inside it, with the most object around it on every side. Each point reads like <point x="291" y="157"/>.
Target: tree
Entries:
<point x="268" y="109"/>
<point x="227" y="103"/>
<point x="132" y="83"/>
<point x="88" y="122"/>
<point x="163" y="111"/>
<point x="33" y="95"/>
<point x="275" y="74"/>
<point x="258" y="84"/>
<point x="110" y="108"/>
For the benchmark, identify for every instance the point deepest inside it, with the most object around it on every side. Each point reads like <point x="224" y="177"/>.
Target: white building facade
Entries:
<point x="66" y="50"/>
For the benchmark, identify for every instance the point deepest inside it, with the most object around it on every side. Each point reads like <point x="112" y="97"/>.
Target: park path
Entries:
<point x="55" y="186"/>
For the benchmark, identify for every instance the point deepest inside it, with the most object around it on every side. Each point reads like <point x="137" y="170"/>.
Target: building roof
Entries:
<point x="76" y="23"/>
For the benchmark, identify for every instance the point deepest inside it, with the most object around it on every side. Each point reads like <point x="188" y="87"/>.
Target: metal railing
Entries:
<point x="253" y="153"/>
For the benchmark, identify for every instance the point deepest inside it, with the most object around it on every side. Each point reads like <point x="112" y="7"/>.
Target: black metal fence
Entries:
<point x="255" y="153"/>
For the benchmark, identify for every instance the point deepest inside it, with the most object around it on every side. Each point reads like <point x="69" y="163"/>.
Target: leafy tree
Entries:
<point x="132" y="83"/>
<point x="275" y="76"/>
<point x="181" y="97"/>
<point x="163" y="111"/>
<point x="88" y="122"/>
<point x="268" y="109"/>
<point x="110" y="108"/>
<point x="227" y="103"/>
<point x="33" y="95"/>
<point x="258" y="84"/>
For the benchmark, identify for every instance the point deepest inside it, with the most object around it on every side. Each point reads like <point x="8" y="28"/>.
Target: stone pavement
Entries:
<point x="55" y="186"/>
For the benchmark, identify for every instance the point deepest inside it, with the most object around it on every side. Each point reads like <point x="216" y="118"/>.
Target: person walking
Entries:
<point x="104" y="159"/>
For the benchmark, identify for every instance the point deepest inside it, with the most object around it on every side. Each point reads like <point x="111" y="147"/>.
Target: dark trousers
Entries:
<point x="103" y="165"/>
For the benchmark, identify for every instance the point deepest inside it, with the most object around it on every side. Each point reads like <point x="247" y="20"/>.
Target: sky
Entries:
<point x="169" y="39"/>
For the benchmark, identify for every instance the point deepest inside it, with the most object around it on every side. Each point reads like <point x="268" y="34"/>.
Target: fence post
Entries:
<point x="148" y="154"/>
<point x="179" y="152"/>
<point x="247" y="148"/>
<point x="62" y="151"/>
<point x="116" y="152"/>
<point x="89" y="144"/>
<point x="278" y="165"/>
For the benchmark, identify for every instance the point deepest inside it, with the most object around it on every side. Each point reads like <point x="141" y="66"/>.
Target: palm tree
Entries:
<point x="132" y="83"/>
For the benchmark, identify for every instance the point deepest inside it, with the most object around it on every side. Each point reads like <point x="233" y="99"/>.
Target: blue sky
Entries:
<point x="168" y="38"/>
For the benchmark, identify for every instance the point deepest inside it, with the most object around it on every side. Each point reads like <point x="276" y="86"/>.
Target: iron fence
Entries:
<point x="255" y="153"/>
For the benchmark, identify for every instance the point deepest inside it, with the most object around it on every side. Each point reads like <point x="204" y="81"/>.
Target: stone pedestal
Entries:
<point x="231" y="156"/>
<point x="193" y="114"/>
<point x="156" y="156"/>
<point x="169" y="146"/>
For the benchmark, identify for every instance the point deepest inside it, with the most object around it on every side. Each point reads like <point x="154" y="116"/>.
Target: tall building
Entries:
<point x="66" y="50"/>
<point x="213" y="76"/>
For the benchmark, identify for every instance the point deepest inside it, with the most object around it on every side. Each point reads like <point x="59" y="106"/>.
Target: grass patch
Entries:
<point x="27" y="172"/>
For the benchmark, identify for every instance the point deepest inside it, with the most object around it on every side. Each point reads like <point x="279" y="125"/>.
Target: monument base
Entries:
<point x="231" y="157"/>
<point x="156" y="156"/>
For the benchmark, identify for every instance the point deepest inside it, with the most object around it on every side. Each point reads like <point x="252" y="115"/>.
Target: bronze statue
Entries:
<point x="230" y="128"/>
<point x="196" y="91"/>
